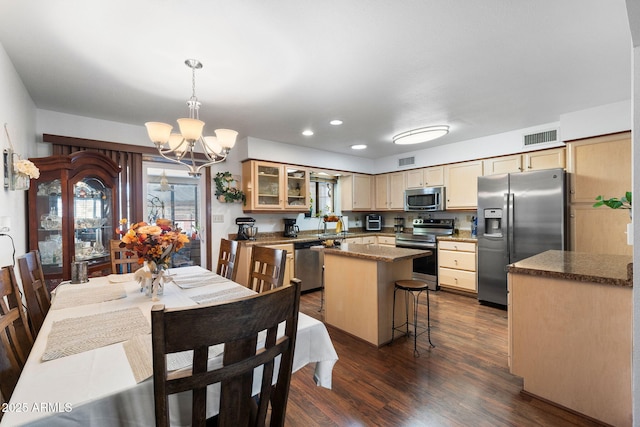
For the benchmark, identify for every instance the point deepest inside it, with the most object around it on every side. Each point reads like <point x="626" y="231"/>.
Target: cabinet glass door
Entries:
<point x="296" y="188"/>
<point x="49" y="212"/>
<point x="268" y="179"/>
<point x="92" y="220"/>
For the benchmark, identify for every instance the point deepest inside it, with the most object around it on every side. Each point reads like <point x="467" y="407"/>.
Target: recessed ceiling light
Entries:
<point x="335" y="122"/>
<point x="416" y="136"/>
<point x="358" y="147"/>
<point x="307" y="132"/>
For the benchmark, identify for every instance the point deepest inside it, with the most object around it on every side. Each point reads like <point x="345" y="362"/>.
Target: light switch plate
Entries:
<point x="217" y="218"/>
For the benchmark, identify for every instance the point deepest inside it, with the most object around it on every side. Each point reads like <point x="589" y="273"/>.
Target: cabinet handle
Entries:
<point x="455" y="261"/>
<point x="456" y="280"/>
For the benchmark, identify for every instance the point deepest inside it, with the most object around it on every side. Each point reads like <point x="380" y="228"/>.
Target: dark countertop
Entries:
<point x="579" y="266"/>
<point x="377" y="252"/>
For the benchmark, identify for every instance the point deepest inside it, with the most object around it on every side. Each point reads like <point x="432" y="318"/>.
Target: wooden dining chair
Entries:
<point x="227" y="259"/>
<point x="122" y="259"/>
<point x="240" y="323"/>
<point x="36" y="294"/>
<point x="267" y="268"/>
<point x="15" y="337"/>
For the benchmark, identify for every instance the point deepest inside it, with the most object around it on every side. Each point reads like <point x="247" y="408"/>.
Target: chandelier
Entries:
<point x="180" y="147"/>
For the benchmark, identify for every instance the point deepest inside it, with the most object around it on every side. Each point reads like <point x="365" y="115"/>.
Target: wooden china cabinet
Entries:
<point x="72" y="213"/>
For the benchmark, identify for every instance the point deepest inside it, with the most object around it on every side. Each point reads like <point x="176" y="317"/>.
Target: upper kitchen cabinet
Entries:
<point x="535" y="160"/>
<point x="600" y="166"/>
<point x="390" y="191"/>
<point x="275" y="187"/>
<point x="545" y="159"/>
<point x="461" y="181"/>
<point x="72" y="213"/>
<point x="425" y="177"/>
<point x="356" y="192"/>
<point x="503" y="164"/>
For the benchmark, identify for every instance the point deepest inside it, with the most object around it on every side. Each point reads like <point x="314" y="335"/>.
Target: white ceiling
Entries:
<point x="274" y="68"/>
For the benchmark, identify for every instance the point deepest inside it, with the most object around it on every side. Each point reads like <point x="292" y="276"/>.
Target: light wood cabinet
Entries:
<point x="457" y="265"/>
<point x="599" y="166"/>
<point x="461" y="180"/>
<point x="289" y="269"/>
<point x="272" y="186"/>
<point x="599" y="230"/>
<point x="534" y="160"/>
<point x="545" y="159"/>
<point x="425" y="177"/>
<point x="386" y="241"/>
<point x="356" y="192"/>
<point x="390" y="191"/>
<point x="503" y="164"/>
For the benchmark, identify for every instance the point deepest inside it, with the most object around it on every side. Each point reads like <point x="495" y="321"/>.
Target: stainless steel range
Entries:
<point x="424" y="236"/>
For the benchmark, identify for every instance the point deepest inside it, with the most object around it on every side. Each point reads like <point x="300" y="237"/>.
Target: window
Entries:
<point x="322" y="195"/>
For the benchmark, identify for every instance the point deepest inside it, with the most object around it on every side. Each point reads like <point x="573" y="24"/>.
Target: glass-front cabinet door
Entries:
<point x="297" y="188"/>
<point x="71" y="213"/>
<point x="93" y="220"/>
<point x="269" y="185"/>
<point x="49" y="212"/>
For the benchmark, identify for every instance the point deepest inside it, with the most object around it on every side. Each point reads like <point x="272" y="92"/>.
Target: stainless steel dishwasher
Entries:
<point x="308" y="264"/>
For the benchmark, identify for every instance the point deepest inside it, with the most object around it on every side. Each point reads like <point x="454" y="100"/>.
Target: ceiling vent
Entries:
<point x="407" y="161"/>
<point x="546" y="137"/>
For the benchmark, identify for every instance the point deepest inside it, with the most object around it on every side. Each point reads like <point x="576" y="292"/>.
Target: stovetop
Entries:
<point x="427" y="230"/>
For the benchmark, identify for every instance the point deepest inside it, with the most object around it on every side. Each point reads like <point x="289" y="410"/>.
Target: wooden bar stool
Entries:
<point x="413" y="288"/>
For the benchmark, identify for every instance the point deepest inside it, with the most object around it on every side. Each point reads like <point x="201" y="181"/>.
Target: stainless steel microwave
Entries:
<point x="424" y="199"/>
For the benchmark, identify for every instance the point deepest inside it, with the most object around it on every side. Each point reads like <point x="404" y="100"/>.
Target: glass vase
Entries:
<point x="19" y="181"/>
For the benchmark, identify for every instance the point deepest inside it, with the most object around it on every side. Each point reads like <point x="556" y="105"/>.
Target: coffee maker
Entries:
<point x="290" y="227"/>
<point x="246" y="230"/>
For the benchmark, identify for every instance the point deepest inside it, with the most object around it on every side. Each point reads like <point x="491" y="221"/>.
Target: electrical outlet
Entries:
<point x="217" y="218"/>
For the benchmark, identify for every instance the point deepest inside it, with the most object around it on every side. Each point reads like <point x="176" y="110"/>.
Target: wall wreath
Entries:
<point x="227" y="190"/>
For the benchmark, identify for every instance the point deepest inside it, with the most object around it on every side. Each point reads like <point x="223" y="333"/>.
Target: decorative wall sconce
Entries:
<point x="17" y="172"/>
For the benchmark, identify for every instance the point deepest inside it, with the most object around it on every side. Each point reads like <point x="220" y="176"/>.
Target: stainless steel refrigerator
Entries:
<point x="519" y="215"/>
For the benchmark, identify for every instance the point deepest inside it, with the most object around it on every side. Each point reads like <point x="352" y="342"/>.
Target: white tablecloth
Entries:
<point x="97" y="387"/>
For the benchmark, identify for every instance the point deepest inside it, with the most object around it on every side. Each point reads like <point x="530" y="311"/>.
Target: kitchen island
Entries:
<point x="359" y="282"/>
<point x="570" y="331"/>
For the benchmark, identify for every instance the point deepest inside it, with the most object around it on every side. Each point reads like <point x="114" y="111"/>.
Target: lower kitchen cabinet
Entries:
<point x="386" y="241"/>
<point x="457" y="263"/>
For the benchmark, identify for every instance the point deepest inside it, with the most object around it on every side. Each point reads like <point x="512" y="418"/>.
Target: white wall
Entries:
<point x="18" y="111"/>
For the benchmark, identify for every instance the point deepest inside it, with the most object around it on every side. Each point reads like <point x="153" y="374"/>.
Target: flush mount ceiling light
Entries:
<point x="416" y="136"/>
<point x="180" y="147"/>
<point x="335" y="122"/>
<point x="358" y="147"/>
<point x="307" y="132"/>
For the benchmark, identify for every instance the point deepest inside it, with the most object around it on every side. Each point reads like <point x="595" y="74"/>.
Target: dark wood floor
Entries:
<point x="463" y="381"/>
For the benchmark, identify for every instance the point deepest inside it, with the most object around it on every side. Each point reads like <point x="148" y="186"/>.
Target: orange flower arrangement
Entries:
<point x="152" y="243"/>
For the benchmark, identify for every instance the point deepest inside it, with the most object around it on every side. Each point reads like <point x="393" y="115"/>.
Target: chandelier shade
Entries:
<point x="181" y="147"/>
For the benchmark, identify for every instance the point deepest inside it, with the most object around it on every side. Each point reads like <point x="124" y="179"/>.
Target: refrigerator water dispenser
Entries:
<point x="493" y="222"/>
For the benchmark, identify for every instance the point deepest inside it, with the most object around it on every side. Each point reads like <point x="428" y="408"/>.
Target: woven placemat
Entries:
<point x="223" y="295"/>
<point x="79" y="334"/>
<point x="70" y="296"/>
<point x="186" y="281"/>
<point x="139" y="353"/>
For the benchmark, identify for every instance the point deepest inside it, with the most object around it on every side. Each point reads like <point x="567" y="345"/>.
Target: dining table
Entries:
<point x="91" y="363"/>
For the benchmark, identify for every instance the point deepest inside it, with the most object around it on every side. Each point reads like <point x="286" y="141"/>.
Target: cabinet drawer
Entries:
<point x="386" y="240"/>
<point x="457" y="246"/>
<point x="458" y="260"/>
<point x="457" y="279"/>
<point x="369" y="240"/>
